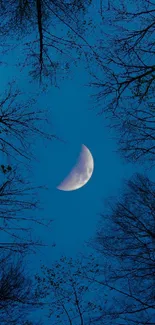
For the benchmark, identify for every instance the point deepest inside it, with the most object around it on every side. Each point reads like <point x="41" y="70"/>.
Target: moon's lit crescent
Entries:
<point x="81" y="172"/>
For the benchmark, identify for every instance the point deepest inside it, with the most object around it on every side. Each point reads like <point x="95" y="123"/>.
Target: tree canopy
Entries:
<point x="123" y="75"/>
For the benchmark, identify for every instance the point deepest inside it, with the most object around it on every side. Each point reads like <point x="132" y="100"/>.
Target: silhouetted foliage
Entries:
<point x="125" y="80"/>
<point x="20" y="124"/>
<point x="40" y="21"/>
<point x="17" y="297"/>
<point x="127" y="239"/>
<point x="69" y="296"/>
<point x="19" y="203"/>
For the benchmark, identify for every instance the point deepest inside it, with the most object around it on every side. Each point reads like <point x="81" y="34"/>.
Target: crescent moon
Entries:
<point x="81" y="172"/>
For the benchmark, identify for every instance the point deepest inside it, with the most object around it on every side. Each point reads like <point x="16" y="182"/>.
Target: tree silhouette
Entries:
<point x="129" y="245"/>
<point x="19" y="202"/>
<point x="17" y="297"/>
<point x="125" y="82"/>
<point x="20" y="124"/>
<point x="39" y="20"/>
<point x="70" y="298"/>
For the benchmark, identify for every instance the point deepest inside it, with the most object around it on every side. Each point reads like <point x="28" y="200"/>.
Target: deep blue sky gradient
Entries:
<point x="75" y="214"/>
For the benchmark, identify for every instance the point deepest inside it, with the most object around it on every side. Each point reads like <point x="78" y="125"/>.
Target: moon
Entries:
<point x="81" y="172"/>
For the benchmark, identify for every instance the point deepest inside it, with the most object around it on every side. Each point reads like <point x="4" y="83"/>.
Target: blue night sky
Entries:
<point x="75" y="214"/>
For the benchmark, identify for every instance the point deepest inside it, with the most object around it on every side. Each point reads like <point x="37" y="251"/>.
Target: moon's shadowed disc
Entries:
<point x="81" y="172"/>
